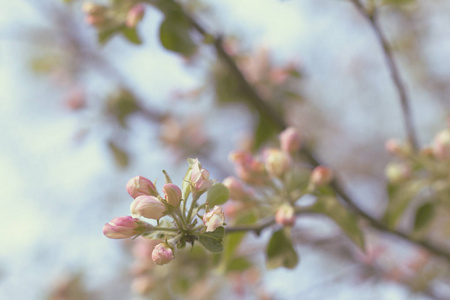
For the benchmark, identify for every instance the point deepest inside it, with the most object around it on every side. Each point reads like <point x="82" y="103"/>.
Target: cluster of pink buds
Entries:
<point x="95" y="14"/>
<point x="176" y="218"/>
<point x="114" y="15"/>
<point x="408" y="164"/>
<point x="272" y="179"/>
<point x="135" y="15"/>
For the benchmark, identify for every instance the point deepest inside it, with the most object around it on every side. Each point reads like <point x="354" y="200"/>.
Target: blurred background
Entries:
<point x="79" y="119"/>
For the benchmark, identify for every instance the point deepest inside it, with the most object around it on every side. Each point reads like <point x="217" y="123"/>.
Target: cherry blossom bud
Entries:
<point x="285" y="215"/>
<point x="441" y="145"/>
<point x="141" y="186"/>
<point x="148" y="207"/>
<point x="393" y="147"/>
<point x="321" y="176"/>
<point x="91" y="8"/>
<point x="237" y="191"/>
<point x="125" y="227"/>
<point x="172" y="194"/>
<point x="162" y="254"/>
<point x="248" y="169"/>
<point x="277" y="162"/>
<point x="396" y="172"/>
<point x="200" y="178"/>
<point x="290" y="140"/>
<point x="214" y="219"/>
<point x="135" y="14"/>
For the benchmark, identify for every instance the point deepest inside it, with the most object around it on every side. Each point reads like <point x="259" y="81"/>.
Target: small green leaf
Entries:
<point x="132" y="35"/>
<point x="400" y="195"/>
<point x="424" y="215"/>
<point x="239" y="264"/>
<point x="280" y="252"/>
<point x="264" y="131"/>
<point x="174" y="35"/>
<point x="106" y="34"/>
<point x="213" y="240"/>
<point x="346" y="220"/>
<point x="120" y="156"/>
<point x="217" y="194"/>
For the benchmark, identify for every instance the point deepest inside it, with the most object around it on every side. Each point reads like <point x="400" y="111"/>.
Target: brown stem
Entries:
<point x="264" y="108"/>
<point x="372" y="18"/>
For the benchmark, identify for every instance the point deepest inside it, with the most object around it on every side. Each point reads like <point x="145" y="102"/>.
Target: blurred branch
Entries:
<point x="372" y="17"/>
<point x="264" y="108"/>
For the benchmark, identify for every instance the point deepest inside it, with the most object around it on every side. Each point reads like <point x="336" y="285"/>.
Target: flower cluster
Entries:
<point x="419" y="179"/>
<point x="275" y="180"/>
<point x="434" y="158"/>
<point x="176" y="221"/>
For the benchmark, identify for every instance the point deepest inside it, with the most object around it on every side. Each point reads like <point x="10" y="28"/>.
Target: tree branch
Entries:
<point x="372" y="18"/>
<point x="264" y="108"/>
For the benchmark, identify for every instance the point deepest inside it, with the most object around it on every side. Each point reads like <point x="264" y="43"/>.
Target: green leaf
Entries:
<point x="239" y="264"/>
<point x="132" y="35"/>
<point x="346" y="220"/>
<point x="217" y="194"/>
<point x="120" y="156"/>
<point x="280" y="252"/>
<point x="213" y="240"/>
<point x="106" y="34"/>
<point x="174" y="36"/>
<point x="400" y="195"/>
<point x="424" y="215"/>
<point x="264" y="131"/>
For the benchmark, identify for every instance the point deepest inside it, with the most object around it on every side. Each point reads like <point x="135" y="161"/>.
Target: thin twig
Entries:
<point x="372" y="18"/>
<point x="264" y="108"/>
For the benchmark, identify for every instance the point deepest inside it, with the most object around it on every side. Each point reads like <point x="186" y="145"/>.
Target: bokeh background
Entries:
<point x="68" y="147"/>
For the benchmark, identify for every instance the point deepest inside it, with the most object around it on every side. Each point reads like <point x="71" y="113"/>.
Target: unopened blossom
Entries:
<point x="237" y="191"/>
<point x="135" y="15"/>
<point x="396" y="172"/>
<point x="277" y="162"/>
<point x="141" y="186"/>
<point x="285" y="215"/>
<point x="162" y="254"/>
<point x="214" y="219"/>
<point x="321" y="176"/>
<point x="95" y="14"/>
<point x="124" y="227"/>
<point x="249" y="169"/>
<point x="290" y="140"/>
<point x="172" y="194"/>
<point x="148" y="207"/>
<point x="200" y="178"/>
<point x="441" y="145"/>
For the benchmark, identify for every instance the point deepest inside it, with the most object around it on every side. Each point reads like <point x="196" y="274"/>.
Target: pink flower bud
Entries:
<point x="285" y="215"/>
<point x="214" y="219"/>
<point x="321" y="176"/>
<point x="91" y="8"/>
<point x="396" y="172"/>
<point x="94" y="20"/>
<point x="237" y="191"/>
<point x="135" y="14"/>
<point x="148" y="207"/>
<point x="277" y="162"/>
<point x="200" y="178"/>
<point x="441" y="145"/>
<point x="125" y="227"/>
<point x="249" y="169"/>
<point x="162" y="254"/>
<point x="172" y="194"/>
<point x="141" y="186"/>
<point x="290" y="140"/>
